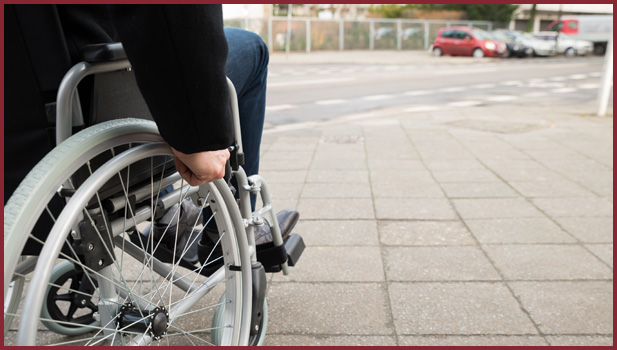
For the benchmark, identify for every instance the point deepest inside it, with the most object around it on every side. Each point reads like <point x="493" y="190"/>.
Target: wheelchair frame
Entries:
<point x="241" y="217"/>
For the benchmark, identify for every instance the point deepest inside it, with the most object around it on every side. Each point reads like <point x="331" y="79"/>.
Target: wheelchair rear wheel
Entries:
<point x="127" y="281"/>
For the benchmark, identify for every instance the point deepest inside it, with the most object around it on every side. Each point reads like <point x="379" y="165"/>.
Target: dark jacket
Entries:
<point x="178" y="54"/>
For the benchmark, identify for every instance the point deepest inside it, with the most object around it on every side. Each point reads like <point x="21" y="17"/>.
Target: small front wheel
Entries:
<point x="478" y="53"/>
<point x="437" y="51"/>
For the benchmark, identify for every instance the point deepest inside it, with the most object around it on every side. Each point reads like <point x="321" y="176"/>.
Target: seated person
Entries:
<point x="181" y="56"/>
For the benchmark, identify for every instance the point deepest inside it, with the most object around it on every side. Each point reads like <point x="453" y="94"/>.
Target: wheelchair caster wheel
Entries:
<point x="68" y="308"/>
<point x="218" y="326"/>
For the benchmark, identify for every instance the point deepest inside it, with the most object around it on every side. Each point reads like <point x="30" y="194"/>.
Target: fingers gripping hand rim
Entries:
<point x="199" y="168"/>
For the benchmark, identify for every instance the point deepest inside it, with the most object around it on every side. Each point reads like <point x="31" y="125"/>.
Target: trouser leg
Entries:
<point x="247" y="67"/>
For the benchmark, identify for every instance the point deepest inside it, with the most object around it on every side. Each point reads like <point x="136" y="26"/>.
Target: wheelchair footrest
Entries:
<point x="272" y="257"/>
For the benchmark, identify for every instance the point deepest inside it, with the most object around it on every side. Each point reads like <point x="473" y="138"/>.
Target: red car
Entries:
<point x="467" y="41"/>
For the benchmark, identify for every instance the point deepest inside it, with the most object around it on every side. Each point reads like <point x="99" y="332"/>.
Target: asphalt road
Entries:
<point x="300" y="93"/>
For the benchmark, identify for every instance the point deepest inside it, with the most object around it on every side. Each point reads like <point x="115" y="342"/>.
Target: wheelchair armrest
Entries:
<point x="103" y="52"/>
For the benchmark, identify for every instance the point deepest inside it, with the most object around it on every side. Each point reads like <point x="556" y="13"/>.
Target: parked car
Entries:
<point x="539" y="47"/>
<point x="566" y="45"/>
<point x="467" y="41"/>
<point x="596" y="29"/>
<point x="514" y="47"/>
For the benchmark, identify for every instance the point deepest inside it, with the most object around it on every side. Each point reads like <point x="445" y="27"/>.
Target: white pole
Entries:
<point x="308" y="35"/>
<point x="341" y="35"/>
<point x="607" y="79"/>
<point x="288" y="36"/>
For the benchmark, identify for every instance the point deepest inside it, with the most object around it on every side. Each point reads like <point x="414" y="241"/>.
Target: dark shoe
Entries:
<point x="287" y="219"/>
<point x="166" y="228"/>
<point x="210" y="256"/>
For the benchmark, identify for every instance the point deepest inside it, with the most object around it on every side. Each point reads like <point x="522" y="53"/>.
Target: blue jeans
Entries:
<point x="247" y="67"/>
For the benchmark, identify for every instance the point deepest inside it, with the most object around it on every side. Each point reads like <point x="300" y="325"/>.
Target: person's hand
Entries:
<point x="202" y="167"/>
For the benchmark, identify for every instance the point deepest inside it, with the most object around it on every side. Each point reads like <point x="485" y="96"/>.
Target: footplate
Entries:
<point x="272" y="257"/>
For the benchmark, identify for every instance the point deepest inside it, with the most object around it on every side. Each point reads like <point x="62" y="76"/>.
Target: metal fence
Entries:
<point x="308" y="34"/>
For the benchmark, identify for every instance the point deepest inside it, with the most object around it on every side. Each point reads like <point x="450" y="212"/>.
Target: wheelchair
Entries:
<point x="104" y="275"/>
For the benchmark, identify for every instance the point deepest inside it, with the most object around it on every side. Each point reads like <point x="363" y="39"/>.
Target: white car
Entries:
<point x="566" y="45"/>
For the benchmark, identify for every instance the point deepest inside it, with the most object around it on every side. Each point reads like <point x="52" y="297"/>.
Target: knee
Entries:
<point x="249" y="41"/>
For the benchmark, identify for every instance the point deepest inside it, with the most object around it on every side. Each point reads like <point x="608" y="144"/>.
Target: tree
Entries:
<point x="486" y="12"/>
<point x="532" y="18"/>
<point x="475" y="12"/>
<point x="389" y="11"/>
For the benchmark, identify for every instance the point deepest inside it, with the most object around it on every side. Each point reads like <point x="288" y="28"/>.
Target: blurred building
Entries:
<point x="547" y="13"/>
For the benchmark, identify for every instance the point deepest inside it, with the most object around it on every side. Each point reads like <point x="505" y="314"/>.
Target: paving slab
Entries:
<point x="328" y="308"/>
<point x="419" y="209"/>
<point x="438" y="264"/>
<point x="342" y="264"/>
<point x="386" y="188"/>
<point x="285" y="190"/>
<point x="602" y="251"/>
<point x="329" y="340"/>
<point x="453" y="164"/>
<point x="420" y="233"/>
<point x="589" y="230"/>
<point x="568" y="307"/>
<point x="464" y="176"/>
<point x="401" y="177"/>
<point x="338" y="232"/>
<point x="457" y="309"/>
<point x="575" y="207"/>
<point x="336" y="208"/>
<point x="407" y="164"/>
<point x="547" y="262"/>
<point x="337" y="176"/>
<point x="580" y="340"/>
<point x="524" y="230"/>
<point x="338" y="164"/>
<point x="495" y="208"/>
<point x="336" y="190"/>
<point x="550" y="189"/>
<point x="478" y="190"/>
<point x="472" y="340"/>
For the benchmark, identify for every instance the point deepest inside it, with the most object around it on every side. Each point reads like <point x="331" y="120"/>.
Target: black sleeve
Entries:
<point x="178" y="54"/>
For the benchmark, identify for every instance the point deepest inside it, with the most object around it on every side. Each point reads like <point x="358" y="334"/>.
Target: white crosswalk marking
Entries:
<point x="423" y="109"/>
<point x="452" y="89"/>
<point x="464" y="103"/>
<point x="310" y="82"/>
<point x="578" y="76"/>
<point x="377" y="97"/>
<point x="483" y="86"/>
<point x="280" y="107"/>
<point x="557" y="79"/>
<point x="563" y="90"/>
<point x="330" y="102"/>
<point x="589" y="86"/>
<point x="501" y="98"/>
<point x="512" y="83"/>
<point x="536" y="81"/>
<point x="535" y="94"/>
<point x="419" y="92"/>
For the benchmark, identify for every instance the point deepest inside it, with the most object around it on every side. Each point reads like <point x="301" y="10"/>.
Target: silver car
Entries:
<point x="540" y="47"/>
<point x="566" y="45"/>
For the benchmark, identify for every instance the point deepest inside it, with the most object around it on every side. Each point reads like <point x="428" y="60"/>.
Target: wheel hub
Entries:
<point x="153" y="322"/>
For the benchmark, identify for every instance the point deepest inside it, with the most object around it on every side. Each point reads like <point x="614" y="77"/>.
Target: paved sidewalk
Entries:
<point x="469" y="226"/>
